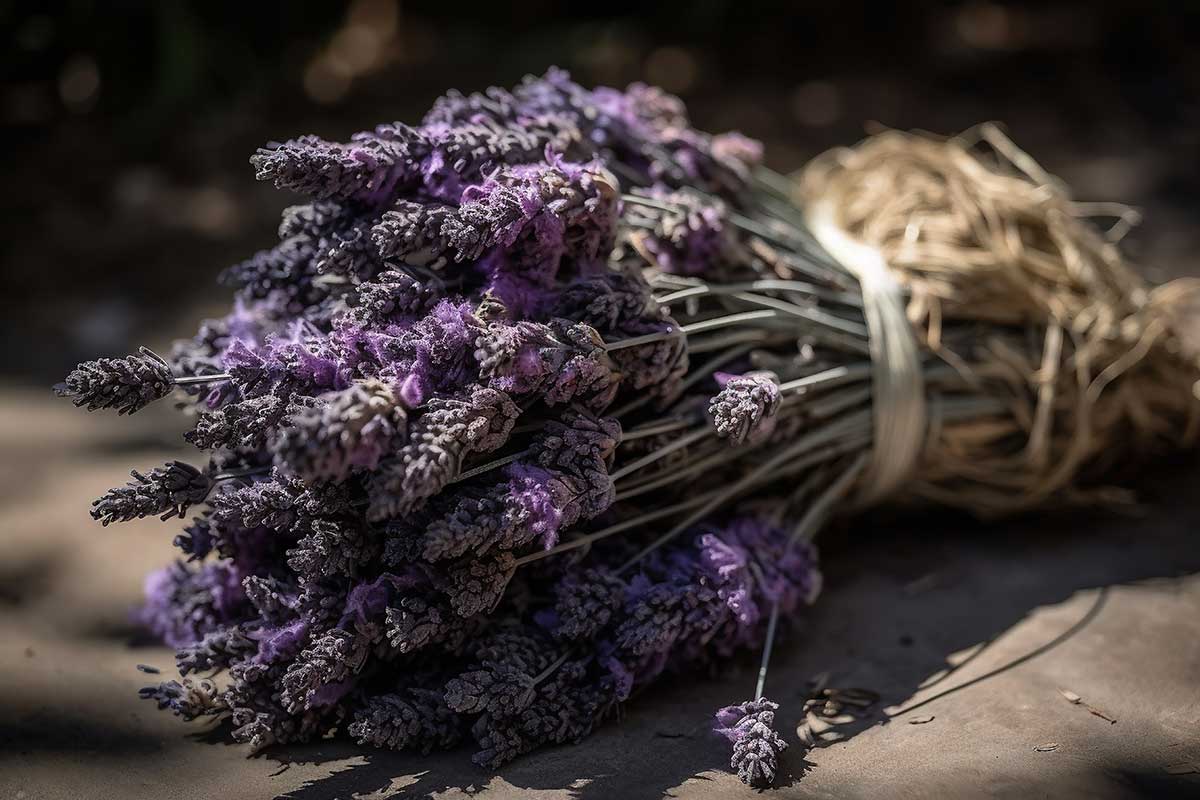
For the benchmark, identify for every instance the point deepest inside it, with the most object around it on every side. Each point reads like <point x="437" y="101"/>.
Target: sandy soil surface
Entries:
<point x="969" y="634"/>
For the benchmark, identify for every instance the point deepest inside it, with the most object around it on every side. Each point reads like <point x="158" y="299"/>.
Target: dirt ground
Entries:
<point x="969" y="633"/>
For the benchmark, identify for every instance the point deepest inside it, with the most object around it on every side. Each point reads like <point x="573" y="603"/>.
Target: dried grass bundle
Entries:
<point x="1010" y="285"/>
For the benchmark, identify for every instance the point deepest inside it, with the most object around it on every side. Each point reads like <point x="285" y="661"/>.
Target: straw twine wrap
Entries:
<point x="1009" y="285"/>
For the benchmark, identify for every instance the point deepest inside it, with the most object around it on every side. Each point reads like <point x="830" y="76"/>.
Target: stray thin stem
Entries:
<point x="695" y="327"/>
<point x="482" y="468"/>
<point x="190" y="380"/>
<point x="829" y="377"/>
<point x="817" y="513"/>
<point x="633" y="522"/>
<point x="768" y="645"/>
<point x="650" y="458"/>
<point x="654" y="430"/>
<point x="548" y="671"/>
<point x="240" y="473"/>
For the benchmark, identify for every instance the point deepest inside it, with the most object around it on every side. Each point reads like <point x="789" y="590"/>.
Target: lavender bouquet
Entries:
<point x="547" y="397"/>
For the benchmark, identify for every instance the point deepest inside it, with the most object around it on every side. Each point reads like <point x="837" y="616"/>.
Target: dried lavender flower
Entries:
<point x="350" y="429"/>
<point x="750" y="727"/>
<point x="127" y="384"/>
<point x="168" y="491"/>
<point x="416" y="719"/>
<point x="187" y="699"/>
<point x="585" y="602"/>
<point x="689" y="239"/>
<point x="745" y="406"/>
<point x="501" y="689"/>
<point x="477" y="421"/>
<point x="244" y="424"/>
<point x="216" y="651"/>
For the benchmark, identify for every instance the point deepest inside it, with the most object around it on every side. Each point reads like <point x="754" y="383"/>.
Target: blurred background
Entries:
<point x="128" y="124"/>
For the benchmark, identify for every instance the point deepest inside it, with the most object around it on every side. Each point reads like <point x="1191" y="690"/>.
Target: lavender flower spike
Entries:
<point x="352" y="428"/>
<point x="745" y="407"/>
<point x="127" y="384"/>
<point x="168" y="490"/>
<point x="750" y="726"/>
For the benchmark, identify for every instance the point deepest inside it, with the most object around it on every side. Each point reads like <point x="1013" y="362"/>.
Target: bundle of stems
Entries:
<point x="436" y="507"/>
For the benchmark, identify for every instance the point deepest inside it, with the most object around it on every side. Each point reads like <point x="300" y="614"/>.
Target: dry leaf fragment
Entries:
<point x="1049" y="747"/>
<point x="1183" y="769"/>
<point x="1071" y="696"/>
<point x="920" y="720"/>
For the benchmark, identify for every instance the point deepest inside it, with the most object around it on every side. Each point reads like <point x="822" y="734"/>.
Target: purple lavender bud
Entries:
<point x="273" y="600"/>
<point x="285" y="270"/>
<point x="655" y="107"/>
<point x="690" y="239"/>
<point x="477" y="421"/>
<point x="269" y="503"/>
<point x="393" y="295"/>
<point x="196" y="539"/>
<point x="657" y="368"/>
<point x="542" y="211"/>
<point x="127" y="384"/>
<point x="716" y="166"/>
<point x="313" y="220"/>
<point x="585" y="602"/>
<point x="750" y="727"/>
<point x="366" y="169"/>
<point x="331" y="548"/>
<point x="415" y="622"/>
<point x="563" y="362"/>
<point x="605" y="301"/>
<point x="353" y="428"/>
<point x="243" y="425"/>
<point x="491" y="214"/>
<point x="655" y="619"/>
<point x="578" y="452"/>
<point x="417" y="719"/>
<point x="455" y="108"/>
<point x="301" y="362"/>
<point x="187" y="699"/>
<point x="348" y="251"/>
<point x="465" y="152"/>
<point x="500" y="741"/>
<point x="471" y="525"/>
<point x="478" y="584"/>
<point x="737" y="151"/>
<point x="566" y="708"/>
<point x="531" y="508"/>
<point x="216" y="651"/>
<point x="414" y="234"/>
<point x="728" y="565"/>
<point x="508" y="515"/>
<point x="276" y="645"/>
<point x="434" y="354"/>
<point x="745" y="407"/>
<point x="321" y="673"/>
<point x="500" y="689"/>
<point x="587" y="376"/>
<point x="167" y="491"/>
<point x="183" y="605"/>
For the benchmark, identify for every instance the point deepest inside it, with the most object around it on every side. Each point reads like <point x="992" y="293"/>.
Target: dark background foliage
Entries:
<point x="128" y="124"/>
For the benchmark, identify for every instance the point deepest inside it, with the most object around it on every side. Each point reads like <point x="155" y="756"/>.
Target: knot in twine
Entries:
<point x="898" y="405"/>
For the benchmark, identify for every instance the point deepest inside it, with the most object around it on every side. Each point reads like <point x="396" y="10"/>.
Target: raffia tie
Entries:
<point x="898" y="407"/>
